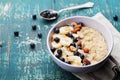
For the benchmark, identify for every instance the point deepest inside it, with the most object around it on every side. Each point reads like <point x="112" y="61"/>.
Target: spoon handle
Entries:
<point x="86" y="5"/>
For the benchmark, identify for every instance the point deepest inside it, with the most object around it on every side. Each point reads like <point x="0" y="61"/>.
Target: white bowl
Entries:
<point x="88" y="22"/>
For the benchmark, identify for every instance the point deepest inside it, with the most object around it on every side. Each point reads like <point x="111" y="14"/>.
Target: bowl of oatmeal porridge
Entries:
<point x="79" y="44"/>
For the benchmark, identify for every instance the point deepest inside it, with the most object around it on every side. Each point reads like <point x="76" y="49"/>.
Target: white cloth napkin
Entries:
<point x="105" y="72"/>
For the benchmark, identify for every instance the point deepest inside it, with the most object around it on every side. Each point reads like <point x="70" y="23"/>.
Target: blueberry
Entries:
<point x="73" y="44"/>
<point x="82" y="56"/>
<point x="81" y="23"/>
<point x="53" y="49"/>
<point x="56" y="30"/>
<point x="57" y="55"/>
<point x="82" y="61"/>
<point x="115" y="18"/>
<point x="1" y="44"/>
<point x="16" y="33"/>
<point x="45" y="14"/>
<point x="59" y="51"/>
<point x="76" y="53"/>
<point x="75" y="39"/>
<point x="49" y="15"/>
<point x="79" y="47"/>
<point x="39" y="35"/>
<point x="34" y="27"/>
<point x="53" y="15"/>
<point x="56" y="39"/>
<point x="70" y="35"/>
<point x="62" y="59"/>
<point x="32" y="45"/>
<point x="68" y="62"/>
<point x="34" y="17"/>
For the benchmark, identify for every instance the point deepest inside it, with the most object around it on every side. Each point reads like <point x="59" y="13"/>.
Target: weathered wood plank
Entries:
<point x="17" y="60"/>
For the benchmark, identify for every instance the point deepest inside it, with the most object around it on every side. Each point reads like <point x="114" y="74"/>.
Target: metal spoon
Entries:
<point x="52" y="14"/>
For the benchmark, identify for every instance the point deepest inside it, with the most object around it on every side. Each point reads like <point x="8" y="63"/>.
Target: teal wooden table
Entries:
<point x="17" y="60"/>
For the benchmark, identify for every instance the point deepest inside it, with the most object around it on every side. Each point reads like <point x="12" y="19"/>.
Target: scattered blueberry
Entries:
<point x="39" y="35"/>
<point x="75" y="39"/>
<point x="115" y="18"/>
<point x="82" y="56"/>
<point x="57" y="55"/>
<point x="70" y="35"/>
<point x="34" y="17"/>
<point x="68" y="62"/>
<point x="73" y="44"/>
<point x="56" y="39"/>
<point x="0" y="44"/>
<point x="76" y="53"/>
<point x="81" y="23"/>
<point x="59" y="51"/>
<point x="16" y="33"/>
<point x="53" y="49"/>
<point x="32" y="45"/>
<point x="56" y="30"/>
<point x="62" y="59"/>
<point x="34" y="27"/>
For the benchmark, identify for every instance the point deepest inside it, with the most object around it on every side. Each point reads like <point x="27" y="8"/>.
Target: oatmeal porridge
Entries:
<point x="77" y="44"/>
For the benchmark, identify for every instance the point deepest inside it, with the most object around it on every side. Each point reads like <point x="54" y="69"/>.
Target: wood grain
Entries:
<point x="17" y="60"/>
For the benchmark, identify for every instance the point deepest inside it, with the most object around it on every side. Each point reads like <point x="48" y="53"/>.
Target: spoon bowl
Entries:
<point x="51" y="14"/>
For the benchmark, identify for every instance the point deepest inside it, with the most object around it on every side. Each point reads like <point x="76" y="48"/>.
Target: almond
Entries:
<point x="79" y="43"/>
<point x="78" y="26"/>
<point x="86" y="50"/>
<point x="74" y="31"/>
<point x="77" y="29"/>
<point x="72" y="48"/>
<point x="86" y="61"/>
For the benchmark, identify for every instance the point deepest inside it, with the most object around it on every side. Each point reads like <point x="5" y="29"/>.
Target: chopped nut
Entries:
<point x="78" y="29"/>
<point x="75" y="30"/>
<point x="72" y="48"/>
<point x="86" y="50"/>
<point x="86" y="61"/>
<point x="78" y="26"/>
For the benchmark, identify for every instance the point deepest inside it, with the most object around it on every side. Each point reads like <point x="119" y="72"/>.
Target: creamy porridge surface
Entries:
<point x="78" y="44"/>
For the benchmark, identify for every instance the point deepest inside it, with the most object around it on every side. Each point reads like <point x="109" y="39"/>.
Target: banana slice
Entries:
<point x="56" y="45"/>
<point x="75" y="60"/>
<point x="66" y="52"/>
<point x="65" y="29"/>
<point x="57" y="35"/>
<point x="65" y="41"/>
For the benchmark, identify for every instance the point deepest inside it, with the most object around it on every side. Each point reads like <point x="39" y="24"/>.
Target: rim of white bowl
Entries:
<point x="108" y="53"/>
